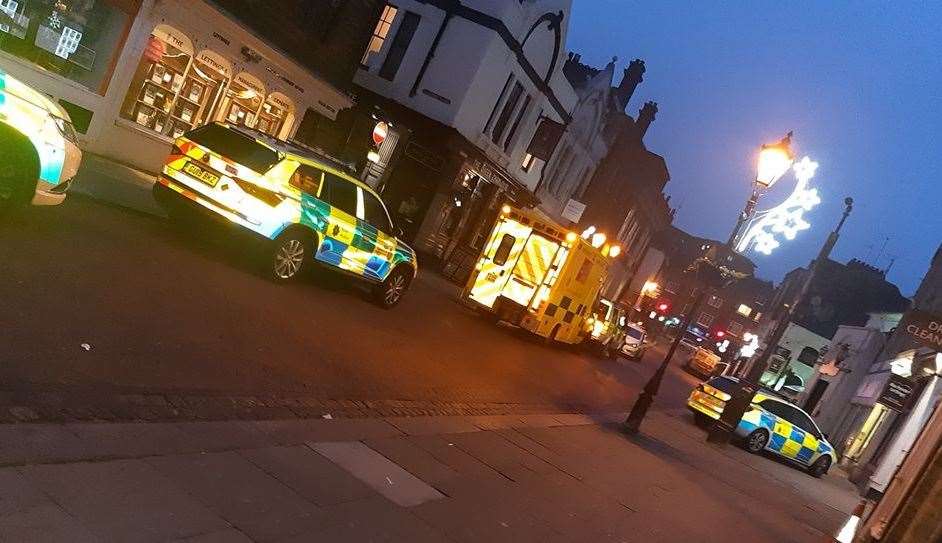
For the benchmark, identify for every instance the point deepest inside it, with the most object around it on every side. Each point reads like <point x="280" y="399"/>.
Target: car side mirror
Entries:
<point x="397" y="232"/>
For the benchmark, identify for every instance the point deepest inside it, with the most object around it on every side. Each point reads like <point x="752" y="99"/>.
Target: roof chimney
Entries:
<point x="646" y="117"/>
<point x="629" y="82"/>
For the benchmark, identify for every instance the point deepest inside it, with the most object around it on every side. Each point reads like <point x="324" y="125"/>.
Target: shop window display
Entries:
<point x="77" y="39"/>
<point x="245" y="97"/>
<point x="153" y="98"/>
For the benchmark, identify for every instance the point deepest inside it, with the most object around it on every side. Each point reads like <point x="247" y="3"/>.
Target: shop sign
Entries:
<point x="173" y="37"/>
<point x="249" y="81"/>
<point x="281" y="101"/>
<point x="573" y="210"/>
<point x="897" y="392"/>
<point x="215" y="61"/>
<point x="545" y="139"/>
<point x="923" y="327"/>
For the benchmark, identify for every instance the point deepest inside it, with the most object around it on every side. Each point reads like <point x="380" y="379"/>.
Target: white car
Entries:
<point x="635" y="341"/>
<point x="39" y="154"/>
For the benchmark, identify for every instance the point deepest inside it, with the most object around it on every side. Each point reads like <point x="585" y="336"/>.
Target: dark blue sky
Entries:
<point x="859" y="83"/>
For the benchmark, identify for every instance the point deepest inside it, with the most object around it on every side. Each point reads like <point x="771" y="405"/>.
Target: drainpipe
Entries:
<point x="431" y="53"/>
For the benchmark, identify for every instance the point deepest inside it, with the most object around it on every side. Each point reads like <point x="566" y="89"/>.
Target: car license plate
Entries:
<point x="199" y="173"/>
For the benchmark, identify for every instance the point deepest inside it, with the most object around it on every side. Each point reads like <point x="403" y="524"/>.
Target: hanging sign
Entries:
<point x="545" y="139"/>
<point x="924" y="327"/>
<point x="896" y="393"/>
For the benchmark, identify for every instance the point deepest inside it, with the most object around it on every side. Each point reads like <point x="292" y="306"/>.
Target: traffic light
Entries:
<point x="663" y="306"/>
<point x="720" y="334"/>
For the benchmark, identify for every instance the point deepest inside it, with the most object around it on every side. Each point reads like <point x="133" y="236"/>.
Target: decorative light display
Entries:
<point x="750" y="345"/>
<point x="786" y="219"/>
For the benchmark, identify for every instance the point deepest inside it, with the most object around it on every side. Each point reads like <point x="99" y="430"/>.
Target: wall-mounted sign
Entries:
<point x="545" y="139"/>
<point x="923" y="327"/>
<point x="380" y="131"/>
<point x="573" y="210"/>
<point x="897" y="392"/>
<point x="215" y="61"/>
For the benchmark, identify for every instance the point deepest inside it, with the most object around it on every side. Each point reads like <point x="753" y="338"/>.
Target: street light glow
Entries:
<point x="774" y="161"/>
<point x="787" y="218"/>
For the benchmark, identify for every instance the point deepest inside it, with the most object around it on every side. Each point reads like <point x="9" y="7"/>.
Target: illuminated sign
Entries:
<point x="787" y="219"/>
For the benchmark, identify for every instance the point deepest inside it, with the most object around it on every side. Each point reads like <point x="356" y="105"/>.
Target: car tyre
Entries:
<point x="288" y="256"/>
<point x="820" y="467"/>
<point x="19" y="169"/>
<point x="390" y="292"/>
<point x="755" y="442"/>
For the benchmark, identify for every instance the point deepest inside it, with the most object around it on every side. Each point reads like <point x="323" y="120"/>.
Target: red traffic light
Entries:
<point x="720" y="334"/>
<point x="663" y="307"/>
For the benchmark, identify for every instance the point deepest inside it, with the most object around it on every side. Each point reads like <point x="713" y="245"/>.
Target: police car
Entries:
<point x="305" y="204"/>
<point x="39" y="153"/>
<point x="771" y="424"/>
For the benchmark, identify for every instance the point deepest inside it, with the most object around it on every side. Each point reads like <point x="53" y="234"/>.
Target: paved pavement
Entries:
<point x="511" y="478"/>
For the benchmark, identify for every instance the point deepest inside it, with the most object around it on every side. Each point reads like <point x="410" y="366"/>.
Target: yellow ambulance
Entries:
<point x="535" y="274"/>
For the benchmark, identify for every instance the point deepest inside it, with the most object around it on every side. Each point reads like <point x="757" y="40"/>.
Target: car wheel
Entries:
<point x="820" y="467"/>
<point x="288" y="256"/>
<point x="390" y="292"/>
<point x="19" y="169"/>
<point x="755" y="442"/>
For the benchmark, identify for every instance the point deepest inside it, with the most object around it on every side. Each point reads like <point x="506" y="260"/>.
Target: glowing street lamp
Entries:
<point x="774" y="161"/>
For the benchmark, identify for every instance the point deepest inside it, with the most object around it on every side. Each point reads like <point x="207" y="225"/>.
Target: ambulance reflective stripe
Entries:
<point x="531" y="268"/>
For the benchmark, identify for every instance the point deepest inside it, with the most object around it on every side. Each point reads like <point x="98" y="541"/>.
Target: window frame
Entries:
<point x="367" y="195"/>
<point x="399" y="45"/>
<point x="706" y="324"/>
<point x="506" y="112"/>
<point x="378" y="34"/>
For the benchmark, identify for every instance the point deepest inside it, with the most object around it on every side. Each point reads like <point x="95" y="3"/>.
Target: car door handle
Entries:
<point x="336" y="229"/>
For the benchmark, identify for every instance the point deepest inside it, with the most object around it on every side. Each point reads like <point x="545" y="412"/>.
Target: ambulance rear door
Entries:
<point x="499" y="258"/>
<point x="531" y="269"/>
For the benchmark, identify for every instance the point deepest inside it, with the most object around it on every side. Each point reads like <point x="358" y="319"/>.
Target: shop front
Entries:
<point x="135" y="74"/>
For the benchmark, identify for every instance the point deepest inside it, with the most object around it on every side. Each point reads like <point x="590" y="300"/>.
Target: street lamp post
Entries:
<point x="716" y="268"/>
<point x="741" y="397"/>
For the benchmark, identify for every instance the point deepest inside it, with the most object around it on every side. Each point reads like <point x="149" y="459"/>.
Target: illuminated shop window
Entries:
<point x="379" y="33"/>
<point x="76" y="39"/>
<point x="153" y="100"/>
<point x="527" y="162"/>
<point x="744" y="310"/>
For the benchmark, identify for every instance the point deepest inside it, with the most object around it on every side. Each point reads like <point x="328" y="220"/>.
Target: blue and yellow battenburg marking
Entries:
<point x="30" y="112"/>
<point x="346" y="242"/>
<point x="785" y="438"/>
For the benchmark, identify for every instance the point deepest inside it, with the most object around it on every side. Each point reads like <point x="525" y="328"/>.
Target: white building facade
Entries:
<point x="474" y="81"/>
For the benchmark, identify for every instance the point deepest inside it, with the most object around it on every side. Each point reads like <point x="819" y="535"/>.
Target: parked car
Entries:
<point x="306" y="207"/>
<point x="702" y="362"/>
<point x="635" y="342"/>
<point x="607" y="328"/>
<point x="771" y="424"/>
<point x="39" y="153"/>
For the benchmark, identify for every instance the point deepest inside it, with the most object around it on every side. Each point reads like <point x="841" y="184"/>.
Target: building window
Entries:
<point x="527" y="162"/>
<point x="671" y="286"/>
<point x="744" y="310"/>
<point x="500" y="100"/>
<point x="379" y="33"/>
<point x="715" y="301"/>
<point x="399" y="46"/>
<point x="500" y="125"/>
<point x="76" y="40"/>
<point x="524" y="109"/>
<point x="705" y="319"/>
<point x="757" y="316"/>
<point x="735" y="329"/>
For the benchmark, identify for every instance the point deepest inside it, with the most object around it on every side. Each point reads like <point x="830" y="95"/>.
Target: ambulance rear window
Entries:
<point x="503" y="250"/>
<point x="234" y="146"/>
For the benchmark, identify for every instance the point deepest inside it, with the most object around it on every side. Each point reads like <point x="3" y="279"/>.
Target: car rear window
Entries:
<point x="635" y="333"/>
<point x="234" y="146"/>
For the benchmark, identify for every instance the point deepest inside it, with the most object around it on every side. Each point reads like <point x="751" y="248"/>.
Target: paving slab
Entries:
<point x="295" y="432"/>
<point x="27" y="514"/>
<point x="223" y="536"/>
<point x="377" y="471"/>
<point x="423" y="426"/>
<point x="123" y="500"/>
<point x="373" y="520"/>
<point x="249" y="499"/>
<point x="21" y="443"/>
<point x="312" y="476"/>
